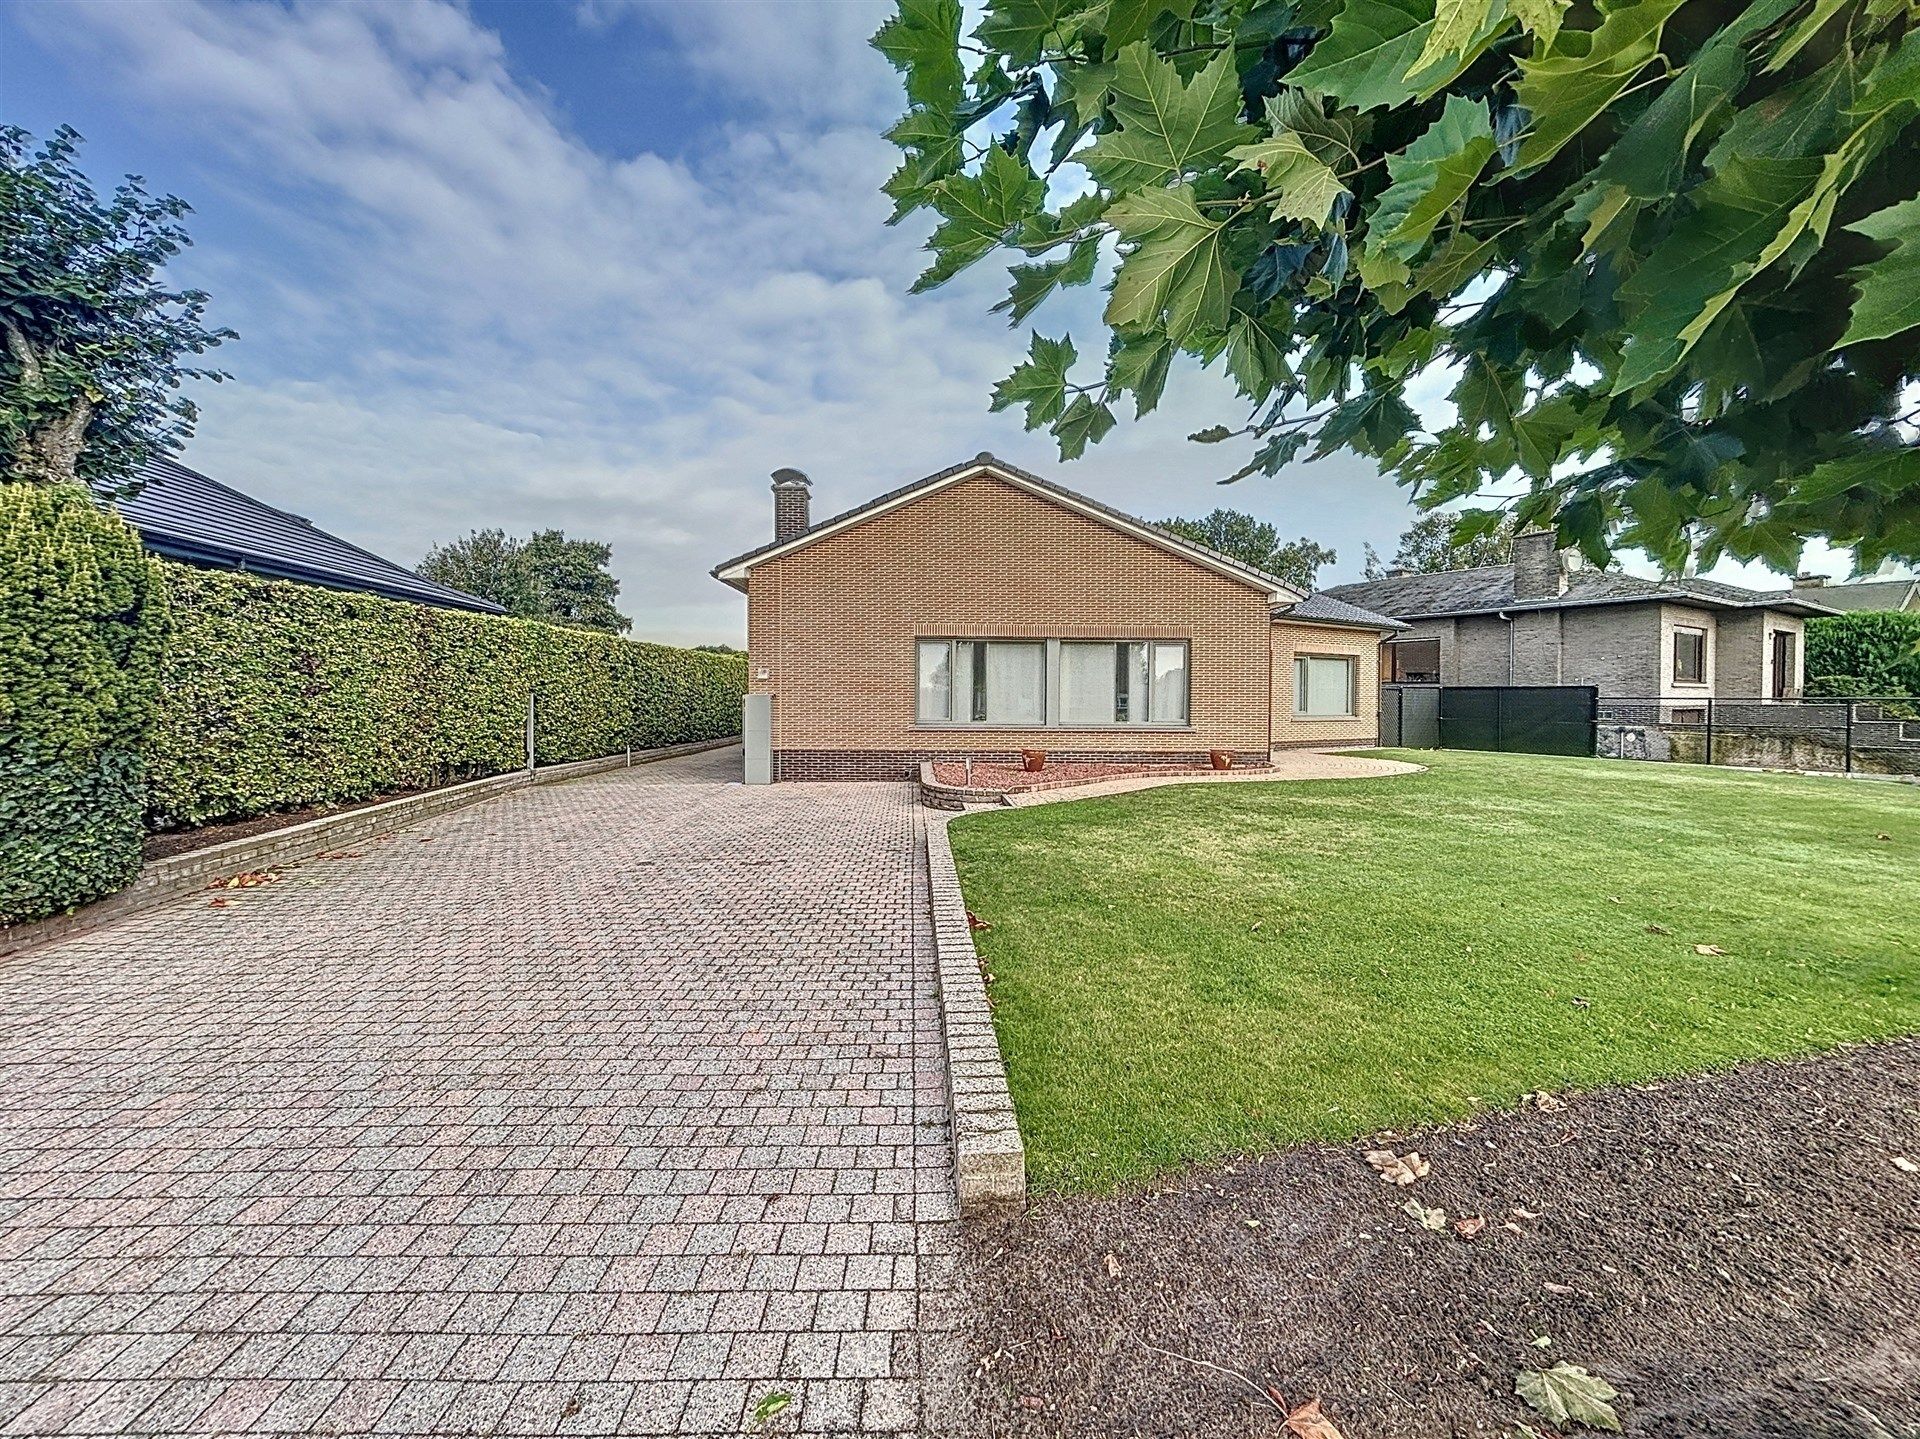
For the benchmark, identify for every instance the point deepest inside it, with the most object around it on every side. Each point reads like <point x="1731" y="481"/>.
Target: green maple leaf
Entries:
<point x="1328" y="137"/>
<point x="1168" y="128"/>
<point x="1021" y="29"/>
<point x="1084" y="423"/>
<point x="1039" y="382"/>
<point x="1033" y="283"/>
<point x="1431" y="176"/>
<point x="1889" y="287"/>
<point x="1539" y="18"/>
<point x="1372" y="55"/>
<point x="1455" y="23"/>
<point x="1139" y="366"/>
<point x="922" y="40"/>
<point x="1174" y="269"/>
<point x="978" y="212"/>
<point x="1583" y="72"/>
<point x="1567" y="1394"/>
<point x="1299" y="184"/>
<point x="1257" y="356"/>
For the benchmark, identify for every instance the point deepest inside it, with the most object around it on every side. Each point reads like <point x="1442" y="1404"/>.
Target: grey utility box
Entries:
<point x="756" y="730"/>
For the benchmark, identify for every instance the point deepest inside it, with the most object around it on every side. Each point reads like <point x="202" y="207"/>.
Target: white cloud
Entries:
<point x="462" y="315"/>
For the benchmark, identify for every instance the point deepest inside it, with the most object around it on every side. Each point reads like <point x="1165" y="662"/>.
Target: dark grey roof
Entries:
<point x="184" y="515"/>
<point x="1487" y="588"/>
<point x="986" y="458"/>
<point x="1324" y="609"/>
<point x="1863" y="595"/>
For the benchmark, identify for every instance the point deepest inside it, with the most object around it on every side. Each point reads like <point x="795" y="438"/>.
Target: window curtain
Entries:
<point x="1086" y="683"/>
<point x="1016" y="684"/>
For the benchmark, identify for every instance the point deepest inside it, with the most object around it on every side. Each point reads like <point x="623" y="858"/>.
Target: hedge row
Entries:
<point x="278" y="695"/>
<point x="1867" y="652"/>
<point x="82" y="612"/>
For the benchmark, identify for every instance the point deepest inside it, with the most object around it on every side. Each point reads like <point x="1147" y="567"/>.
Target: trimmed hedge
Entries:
<point x="279" y="695"/>
<point x="82" y="618"/>
<point x="1867" y="652"/>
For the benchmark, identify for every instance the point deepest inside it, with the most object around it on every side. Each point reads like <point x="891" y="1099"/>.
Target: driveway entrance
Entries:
<point x="614" y="1106"/>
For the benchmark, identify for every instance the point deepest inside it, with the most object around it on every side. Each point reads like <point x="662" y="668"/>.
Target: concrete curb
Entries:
<point x="989" y="1159"/>
<point x="161" y="880"/>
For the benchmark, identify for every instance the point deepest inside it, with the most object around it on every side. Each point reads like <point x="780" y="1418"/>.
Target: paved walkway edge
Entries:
<point x="989" y="1159"/>
<point x="169" y="878"/>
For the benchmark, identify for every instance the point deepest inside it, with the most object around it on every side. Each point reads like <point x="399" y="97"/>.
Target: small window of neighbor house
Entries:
<point x="1690" y="656"/>
<point x="1324" y="686"/>
<point x="1687" y="714"/>
<point x="1413" y="662"/>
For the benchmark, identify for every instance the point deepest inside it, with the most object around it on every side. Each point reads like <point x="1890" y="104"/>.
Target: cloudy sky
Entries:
<point x="595" y="264"/>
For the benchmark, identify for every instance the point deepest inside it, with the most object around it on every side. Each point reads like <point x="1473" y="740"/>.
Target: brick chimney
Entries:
<point x="1808" y="582"/>
<point x="791" y="493"/>
<point x="1539" y="570"/>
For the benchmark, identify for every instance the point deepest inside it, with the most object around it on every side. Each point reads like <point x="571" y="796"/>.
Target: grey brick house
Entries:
<point x="1547" y="620"/>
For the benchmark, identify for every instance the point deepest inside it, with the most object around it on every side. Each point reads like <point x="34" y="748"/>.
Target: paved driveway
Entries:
<point x="605" y="1107"/>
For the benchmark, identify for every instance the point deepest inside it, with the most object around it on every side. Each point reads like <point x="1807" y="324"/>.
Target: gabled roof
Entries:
<point x="1864" y="595"/>
<point x="1324" y="609"/>
<point x="734" y="571"/>
<point x="1487" y="589"/>
<point x="184" y="515"/>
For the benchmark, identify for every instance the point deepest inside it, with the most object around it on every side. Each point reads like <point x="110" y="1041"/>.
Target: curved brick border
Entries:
<point x="175" y="875"/>
<point x="989" y="1160"/>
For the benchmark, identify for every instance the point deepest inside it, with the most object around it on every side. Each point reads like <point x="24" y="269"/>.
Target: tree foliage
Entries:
<point x="1257" y="543"/>
<point x="547" y="577"/>
<point x="82" y="619"/>
<point x="1435" y="542"/>
<point x="94" y="341"/>
<point x="1664" y="251"/>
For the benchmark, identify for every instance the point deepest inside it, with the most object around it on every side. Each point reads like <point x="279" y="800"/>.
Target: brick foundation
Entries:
<point x="830" y="764"/>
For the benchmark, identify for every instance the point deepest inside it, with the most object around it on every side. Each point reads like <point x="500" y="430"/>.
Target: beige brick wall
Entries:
<point x="1289" y="640"/>
<point x="833" y="624"/>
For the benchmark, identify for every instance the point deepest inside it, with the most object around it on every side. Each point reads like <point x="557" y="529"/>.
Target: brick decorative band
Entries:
<point x="989" y="1159"/>
<point x="168" y="878"/>
<point x="904" y="764"/>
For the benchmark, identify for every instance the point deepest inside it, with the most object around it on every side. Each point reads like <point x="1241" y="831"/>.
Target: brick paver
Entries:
<point x="605" y="1107"/>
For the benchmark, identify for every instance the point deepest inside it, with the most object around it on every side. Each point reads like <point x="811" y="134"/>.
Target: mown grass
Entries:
<point x="1197" y="971"/>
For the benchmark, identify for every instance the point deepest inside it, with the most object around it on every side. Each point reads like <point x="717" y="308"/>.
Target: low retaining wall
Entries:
<point x="989" y="1159"/>
<point x="176" y="875"/>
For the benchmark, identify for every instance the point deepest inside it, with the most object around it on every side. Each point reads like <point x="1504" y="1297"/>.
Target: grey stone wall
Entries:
<point x="1537" y="647"/>
<point x="1480" y="652"/>
<point x="1615" y="648"/>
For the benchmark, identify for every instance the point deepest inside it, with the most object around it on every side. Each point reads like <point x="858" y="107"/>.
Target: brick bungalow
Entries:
<point x="983" y="610"/>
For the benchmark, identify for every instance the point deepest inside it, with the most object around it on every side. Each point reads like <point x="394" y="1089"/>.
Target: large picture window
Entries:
<point x="1323" y="686"/>
<point x="1052" y="683"/>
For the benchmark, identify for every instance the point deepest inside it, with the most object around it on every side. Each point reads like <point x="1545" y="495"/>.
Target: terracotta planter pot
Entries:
<point x="1221" y="758"/>
<point x="1033" y="760"/>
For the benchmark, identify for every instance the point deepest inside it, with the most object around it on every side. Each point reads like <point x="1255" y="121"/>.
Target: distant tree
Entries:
<point x="720" y="649"/>
<point x="547" y="577"/>
<point x="90" y="368"/>
<point x="1429" y="545"/>
<point x="1257" y="543"/>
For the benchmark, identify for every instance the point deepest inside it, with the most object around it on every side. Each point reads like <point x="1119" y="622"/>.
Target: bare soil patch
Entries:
<point x="1738" y="1254"/>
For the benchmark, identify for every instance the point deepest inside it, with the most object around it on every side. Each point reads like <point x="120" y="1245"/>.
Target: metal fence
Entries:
<point x="1837" y="735"/>
<point x="1518" y="719"/>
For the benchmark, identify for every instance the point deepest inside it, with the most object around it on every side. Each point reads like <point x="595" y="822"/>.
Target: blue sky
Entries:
<point x="595" y="264"/>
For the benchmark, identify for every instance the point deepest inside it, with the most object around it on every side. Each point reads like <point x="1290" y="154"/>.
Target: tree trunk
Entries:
<point x="50" y="452"/>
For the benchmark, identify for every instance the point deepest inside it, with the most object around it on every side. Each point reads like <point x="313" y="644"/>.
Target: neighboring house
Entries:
<point x="983" y="610"/>
<point x="1545" y="620"/>
<point x="183" y="515"/>
<point x="1860" y="594"/>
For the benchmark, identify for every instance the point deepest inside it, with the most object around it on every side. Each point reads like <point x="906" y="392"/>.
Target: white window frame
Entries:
<point x="1353" y="686"/>
<point x="957" y="694"/>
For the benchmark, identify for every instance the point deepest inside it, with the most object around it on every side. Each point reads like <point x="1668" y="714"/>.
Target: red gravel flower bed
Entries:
<point x="1004" y="777"/>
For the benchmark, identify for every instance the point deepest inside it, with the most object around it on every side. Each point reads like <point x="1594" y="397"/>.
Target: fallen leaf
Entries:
<point x="1553" y="1288"/>
<point x="1580" y="1001"/>
<point x="772" y="1405"/>
<point x="975" y="922"/>
<point x="570" y="1408"/>
<point x="1567" y="1394"/>
<point x="1469" y="1227"/>
<point x="1519" y="1213"/>
<point x="1307" y="1422"/>
<point x="1900" y="1161"/>
<point x="1658" y="929"/>
<point x="1708" y="949"/>
<point x="1396" y="1170"/>
<point x="1253" y="1224"/>
<point x="1032" y="1401"/>
<point x="216" y="904"/>
<point x="1435" y="1219"/>
<point x="1544" y="1102"/>
<point x="341" y="853"/>
<point x="1113" y="1267"/>
<point x="1542" y="1341"/>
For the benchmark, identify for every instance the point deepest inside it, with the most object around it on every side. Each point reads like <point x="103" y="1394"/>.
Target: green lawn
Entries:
<point x="1197" y="971"/>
